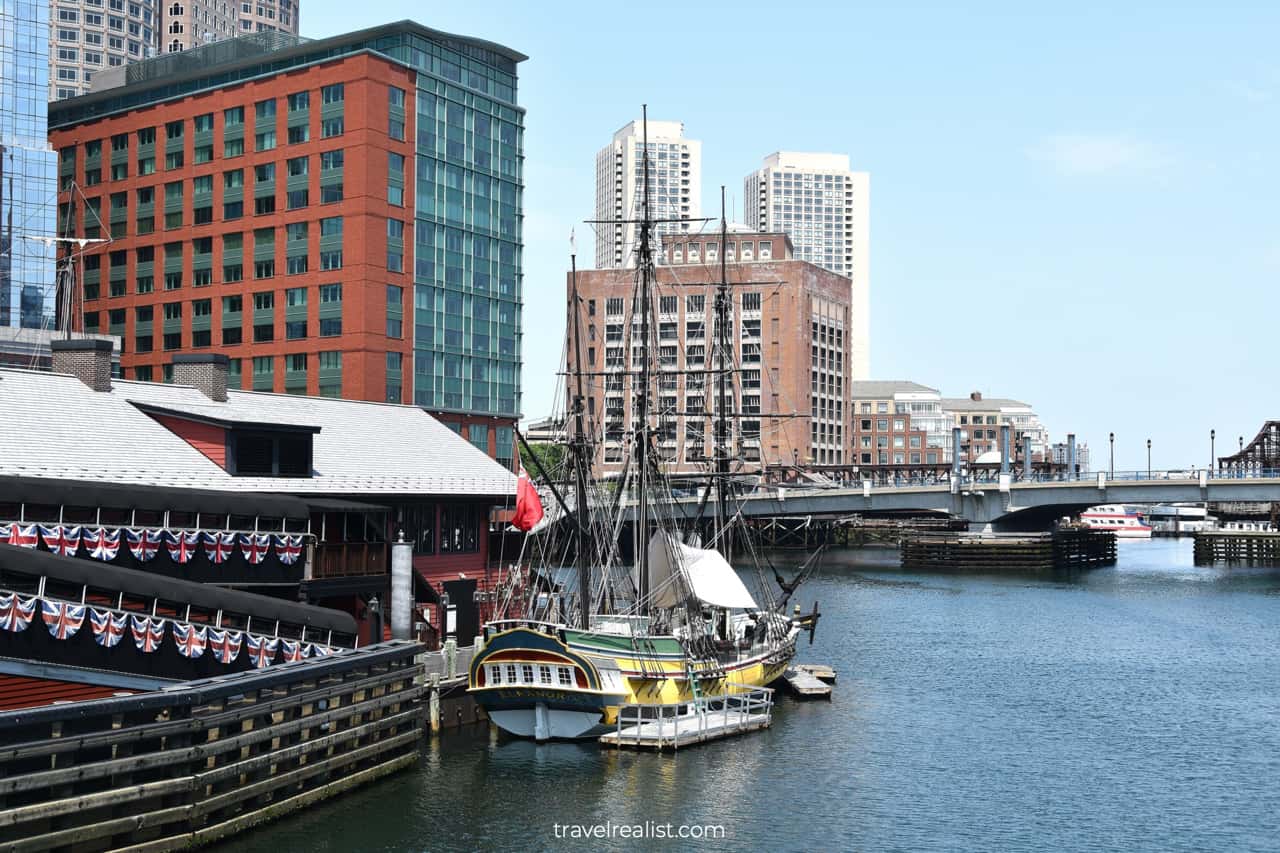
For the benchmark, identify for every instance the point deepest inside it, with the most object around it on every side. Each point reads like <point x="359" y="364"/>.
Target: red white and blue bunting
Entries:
<point x="288" y="549"/>
<point x="219" y="546"/>
<point x="108" y="627"/>
<point x="144" y="544"/>
<point x="147" y="633"/>
<point x="255" y="546"/>
<point x="19" y="535"/>
<point x="262" y="650"/>
<point x="183" y="544"/>
<point x="16" y="613"/>
<point x="62" y="618"/>
<point x="103" y="543"/>
<point x="61" y="540"/>
<point x="225" y="645"/>
<point x="190" y="639"/>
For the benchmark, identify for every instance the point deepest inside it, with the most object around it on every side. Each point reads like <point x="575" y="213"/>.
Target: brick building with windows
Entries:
<point x="339" y="217"/>
<point x="899" y="430"/>
<point x="789" y="353"/>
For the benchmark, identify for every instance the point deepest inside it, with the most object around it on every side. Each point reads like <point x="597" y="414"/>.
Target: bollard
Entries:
<point x="401" y="589"/>
<point x="450" y="658"/>
<point x="434" y="703"/>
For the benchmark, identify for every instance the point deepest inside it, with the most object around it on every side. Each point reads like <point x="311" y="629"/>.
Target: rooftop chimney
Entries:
<point x="976" y="396"/>
<point x="87" y="359"/>
<point x="204" y="371"/>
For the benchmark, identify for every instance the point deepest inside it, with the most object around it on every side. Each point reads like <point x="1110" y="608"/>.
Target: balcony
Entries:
<point x="349" y="559"/>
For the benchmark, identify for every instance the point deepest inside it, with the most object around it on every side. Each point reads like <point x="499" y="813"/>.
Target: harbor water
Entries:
<point x="1132" y="708"/>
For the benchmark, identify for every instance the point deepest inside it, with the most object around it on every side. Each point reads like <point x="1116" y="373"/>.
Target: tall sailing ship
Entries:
<point x="679" y="624"/>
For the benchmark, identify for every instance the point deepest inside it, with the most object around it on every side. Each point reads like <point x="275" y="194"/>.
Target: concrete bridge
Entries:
<point x="1006" y="503"/>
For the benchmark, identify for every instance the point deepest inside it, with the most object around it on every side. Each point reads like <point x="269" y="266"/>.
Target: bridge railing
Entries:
<point x="992" y="477"/>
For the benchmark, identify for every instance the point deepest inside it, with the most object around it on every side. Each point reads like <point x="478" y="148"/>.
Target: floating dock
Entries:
<point x="805" y="684"/>
<point x="1070" y="548"/>
<point x="1237" y="547"/>
<point x="820" y="671"/>
<point x="671" y="726"/>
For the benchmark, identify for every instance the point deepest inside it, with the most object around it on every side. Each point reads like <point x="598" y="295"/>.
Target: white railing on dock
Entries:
<point x="448" y="663"/>
<point x="658" y="725"/>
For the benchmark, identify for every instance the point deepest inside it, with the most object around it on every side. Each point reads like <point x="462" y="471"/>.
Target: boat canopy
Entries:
<point x="705" y="573"/>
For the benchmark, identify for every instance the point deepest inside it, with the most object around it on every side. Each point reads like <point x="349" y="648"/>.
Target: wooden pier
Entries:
<point x="671" y="726"/>
<point x="1237" y="547"/>
<point x="1046" y="552"/>
<point x="204" y="760"/>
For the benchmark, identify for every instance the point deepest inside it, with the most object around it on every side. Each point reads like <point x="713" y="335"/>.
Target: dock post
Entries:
<point x="401" y="588"/>
<point x="450" y="658"/>
<point x="434" y="702"/>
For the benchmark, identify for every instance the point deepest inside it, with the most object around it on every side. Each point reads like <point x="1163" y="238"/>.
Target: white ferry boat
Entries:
<point x="1125" y="522"/>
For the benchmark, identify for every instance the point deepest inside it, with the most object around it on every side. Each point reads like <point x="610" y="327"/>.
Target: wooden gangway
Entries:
<point x="676" y="724"/>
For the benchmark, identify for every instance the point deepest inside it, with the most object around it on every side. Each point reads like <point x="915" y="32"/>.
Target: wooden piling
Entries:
<point x="1062" y="549"/>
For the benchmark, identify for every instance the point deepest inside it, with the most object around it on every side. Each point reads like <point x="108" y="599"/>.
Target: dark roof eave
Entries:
<point x="152" y="409"/>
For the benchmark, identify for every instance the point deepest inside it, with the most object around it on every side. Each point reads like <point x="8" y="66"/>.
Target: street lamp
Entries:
<point x="1148" y="459"/>
<point x="1111" y="473"/>
<point x="1213" y="434"/>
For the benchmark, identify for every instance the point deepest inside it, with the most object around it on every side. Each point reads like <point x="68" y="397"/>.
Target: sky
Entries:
<point x="1074" y="207"/>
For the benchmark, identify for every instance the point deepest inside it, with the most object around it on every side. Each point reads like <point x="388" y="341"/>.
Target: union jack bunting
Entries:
<point x="225" y="645"/>
<point x="63" y="541"/>
<point x="62" y="619"/>
<point x="16" y="614"/>
<point x="255" y="546"/>
<point x="182" y="544"/>
<point x="291" y="650"/>
<point x="144" y="544"/>
<point x="19" y="536"/>
<point x="147" y="633"/>
<point x="262" y="650"/>
<point x="288" y="548"/>
<point x="321" y="651"/>
<point x="108" y="627"/>
<point x="189" y="639"/>
<point x="103" y="544"/>
<point x="219" y="546"/>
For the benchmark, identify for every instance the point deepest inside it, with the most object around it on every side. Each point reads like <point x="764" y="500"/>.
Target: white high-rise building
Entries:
<point x="825" y="209"/>
<point x="675" y="187"/>
<point x="89" y="37"/>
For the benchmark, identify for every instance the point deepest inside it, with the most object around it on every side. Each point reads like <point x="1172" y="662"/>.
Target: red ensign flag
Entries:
<point x="528" y="504"/>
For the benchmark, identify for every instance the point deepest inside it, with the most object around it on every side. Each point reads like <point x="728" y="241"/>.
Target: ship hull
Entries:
<point x="608" y="672"/>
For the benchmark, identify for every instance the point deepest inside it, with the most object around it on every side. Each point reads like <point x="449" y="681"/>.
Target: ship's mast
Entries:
<point x="582" y="458"/>
<point x="642" y="434"/>
<point x="723" y="314"/>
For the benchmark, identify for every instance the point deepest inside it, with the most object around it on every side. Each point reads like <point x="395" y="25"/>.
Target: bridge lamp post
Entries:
<point x="1111" y="472"/>
<point x="1213" y="434"/>
<point x="1148" y="459"/>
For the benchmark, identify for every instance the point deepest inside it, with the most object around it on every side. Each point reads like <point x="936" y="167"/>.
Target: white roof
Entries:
<point x="52" y="425"/>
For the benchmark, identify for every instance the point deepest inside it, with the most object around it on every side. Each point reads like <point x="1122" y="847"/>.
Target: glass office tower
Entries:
<point x="28" y="194"/>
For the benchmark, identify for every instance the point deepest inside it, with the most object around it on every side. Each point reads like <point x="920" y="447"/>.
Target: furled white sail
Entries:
<point x="674" y="566"/>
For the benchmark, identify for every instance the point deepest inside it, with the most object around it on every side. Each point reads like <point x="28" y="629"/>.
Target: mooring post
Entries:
<point x="434" y="702"/>
<point x="450" y="657"/>
<point x="401" y="588"/>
